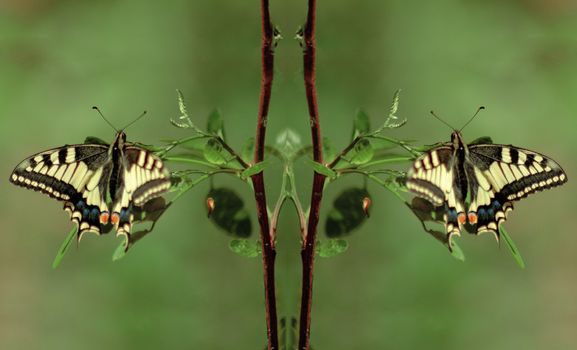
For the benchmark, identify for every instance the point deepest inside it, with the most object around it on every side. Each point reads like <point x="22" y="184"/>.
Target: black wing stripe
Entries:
<point x="514" y="154"/>
<point x="51" y="186"/>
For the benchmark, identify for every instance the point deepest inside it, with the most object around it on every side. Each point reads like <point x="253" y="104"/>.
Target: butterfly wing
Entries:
<point x="144" y="177"/>
<point x="437" y="177"/>
<point x="75" y="174"/>
<point x="499" y="175"/>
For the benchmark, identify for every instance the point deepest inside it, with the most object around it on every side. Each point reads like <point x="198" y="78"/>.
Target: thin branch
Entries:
<point x="268" y="250"/>
<point x="344" y="152"/>
<point x="235" y="155"/>
<point x="309" y="238"/>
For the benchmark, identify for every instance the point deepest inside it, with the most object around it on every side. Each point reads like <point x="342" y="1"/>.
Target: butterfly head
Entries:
<point x="120" y="140"/>
<point x="457" y="141"/>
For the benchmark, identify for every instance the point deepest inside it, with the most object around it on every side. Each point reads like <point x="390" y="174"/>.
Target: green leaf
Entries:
<point x="288" y="141"/>
<point x="95" y="140"/>
<point x="393" y="121"/>
<point x="215" y="124"/>
<point x="181" y="104"/>
<point x="245" y="247"/>
<point x="323" y="170"/>
<point x="255" y="169"/>
<point x="384" y="145"/>
<point x="328" y="150"/>
<point x="362" y="153"/>
<point x="194" y="144"/>
<point x="214" y="153"/>
<point x="395" y="104"/>
<point x="347" y="213"/>
<point x="361" y="124"/>
<point x="482" y="140"/>
<point x="457" y="252"/>
<point x="119" y="252"/>
<point x="229" y="212"/>
<point x="183" y="120"/>
<point x="387" y="159"/>
<point x="512" y="247"/>
<point x="331" y="247"/>
<point x="247" y="152"/>
<point x="64" y="247"/>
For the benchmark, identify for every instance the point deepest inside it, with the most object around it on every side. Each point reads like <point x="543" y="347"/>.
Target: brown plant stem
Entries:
<point x="268" y="250"/>
<point x="310" y="236"/>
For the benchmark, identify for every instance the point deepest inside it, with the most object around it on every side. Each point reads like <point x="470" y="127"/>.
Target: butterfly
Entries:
<point x="475" y="185"/>
<point x="101" y="185"/>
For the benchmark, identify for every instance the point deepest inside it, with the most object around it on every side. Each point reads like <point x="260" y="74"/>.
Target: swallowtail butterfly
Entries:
<point x="99" y="184"/>
<point x="476" y="184"/>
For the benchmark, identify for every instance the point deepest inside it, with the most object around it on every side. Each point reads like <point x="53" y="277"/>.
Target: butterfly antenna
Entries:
<point x="473" y="117"/>
<point x="135" y="120"/>
<point x="441" y="120"/>
<point x="106" y="120"/>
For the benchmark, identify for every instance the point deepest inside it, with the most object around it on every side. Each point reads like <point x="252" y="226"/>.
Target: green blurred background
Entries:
<point x="181" y="288"/>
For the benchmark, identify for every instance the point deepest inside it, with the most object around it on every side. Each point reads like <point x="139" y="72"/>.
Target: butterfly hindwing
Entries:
<point x="435" y="176"/>
<point x="144" y="178"/>
<point x="431" y="175"/>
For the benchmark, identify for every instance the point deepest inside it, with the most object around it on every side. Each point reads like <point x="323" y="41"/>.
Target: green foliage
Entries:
<point x="393" y="121"/>
<point x="331" y="247"/>
<point x="512" y="247"/>
<point x="457" y="252"/>
<point x="183" y="120"/>
<point x="347" y="213"/>
<point x="214" y="153"/>
<point x="119" y="252"/>
<point x="323" y="170"/>
<point x="247" y="152"/>
<point x="288" y="142"/>
<point x="215" y="124"/>
<point x="362" y="153"/>
<point x="229" y="212"/>
<point x="255" y="169"/>
<point x="64" y="247"/>
<point x="328" y="150"/>
<point x="361" y="124"/>
<point x="482" y="139"/>
<point x="245" y="247"/>
<point x="426" y="212"/>
<point x="95" y="140"/>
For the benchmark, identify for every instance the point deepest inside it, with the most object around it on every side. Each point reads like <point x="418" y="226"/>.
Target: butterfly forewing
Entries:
<point x="514" y="172"/>
<point x="61" y="172"/>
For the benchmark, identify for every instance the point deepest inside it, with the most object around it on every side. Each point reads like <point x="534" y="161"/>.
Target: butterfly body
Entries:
<point x="477" y="184"/>
<point x="98" y="183"/>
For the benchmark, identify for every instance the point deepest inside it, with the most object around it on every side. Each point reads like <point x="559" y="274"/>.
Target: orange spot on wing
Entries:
<point x="115" y="218"/>
<point x="462" y="218"/>
<point x="472" y="218"/>
<point x="104" y="218"/>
